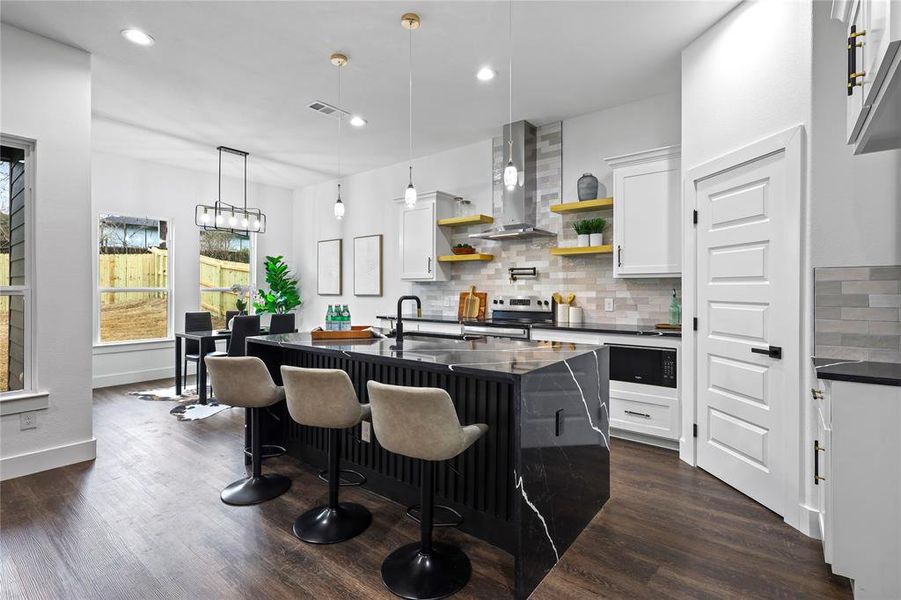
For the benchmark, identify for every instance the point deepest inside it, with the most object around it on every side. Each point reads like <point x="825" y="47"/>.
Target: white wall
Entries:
<point x="140" y="188"/>
<point x="744" y="79"/>
<point x="641" y="125"/>
<point x="464" y="171"/>
<point x="46" y="97"/>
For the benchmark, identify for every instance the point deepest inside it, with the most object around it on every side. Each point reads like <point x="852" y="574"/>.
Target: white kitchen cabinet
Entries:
<point x="647" y="207"/>
<point x="874" y="76"/>
<point x="421" y="240"/>
<point x="858" y="483"/>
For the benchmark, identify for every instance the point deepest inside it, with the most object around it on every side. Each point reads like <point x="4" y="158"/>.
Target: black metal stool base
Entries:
<point x="410" y="574"/>
<point x="325" y="525"/>
<point x="343" y="481"/>
<point x="269" y="451"/>
<point x="253" y="490"/>
<point x="414" y="513"/>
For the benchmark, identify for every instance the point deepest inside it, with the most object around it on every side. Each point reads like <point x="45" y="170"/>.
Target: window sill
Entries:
<point x="13" y="403"/>
<point x="135" y="346"/>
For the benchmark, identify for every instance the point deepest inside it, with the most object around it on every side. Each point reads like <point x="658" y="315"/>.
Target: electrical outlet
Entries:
<point x="608" y="304"/>
<point x="28" y="420"/>
<point x="366" y="431"/>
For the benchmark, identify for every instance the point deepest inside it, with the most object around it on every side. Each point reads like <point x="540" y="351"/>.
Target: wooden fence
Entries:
<point x="215" y="273"/>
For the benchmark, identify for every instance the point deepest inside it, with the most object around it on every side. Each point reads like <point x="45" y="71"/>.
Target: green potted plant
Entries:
<point x="463" y="249"/>
<point x="583" y="230"/>
<point x="283" y="295"/>
<point x="596" y="233"/>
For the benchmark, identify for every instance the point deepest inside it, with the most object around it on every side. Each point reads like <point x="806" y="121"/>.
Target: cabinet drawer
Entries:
<point x="644" y="413"/>
<point x="824" y="486"/>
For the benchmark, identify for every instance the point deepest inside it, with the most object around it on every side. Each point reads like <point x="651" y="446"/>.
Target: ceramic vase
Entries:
<point x="596" y="239"/>
<point x="587" y="187"/>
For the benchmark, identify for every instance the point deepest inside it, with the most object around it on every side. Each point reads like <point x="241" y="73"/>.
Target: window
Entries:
<point x="133" y="278"/>
<point x="15" y="290"/>
<point x="225" y="260"/>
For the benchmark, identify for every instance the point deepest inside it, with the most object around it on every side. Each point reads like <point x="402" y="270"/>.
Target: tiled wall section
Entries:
<point x="590" y="278"/>
<point x="858" y="313"/>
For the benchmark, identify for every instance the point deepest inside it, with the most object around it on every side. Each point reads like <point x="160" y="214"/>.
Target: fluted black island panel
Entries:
<point x="532" y="483"/>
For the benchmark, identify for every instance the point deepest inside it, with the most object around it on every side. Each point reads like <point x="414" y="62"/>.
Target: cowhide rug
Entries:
<point x="188" y="408"/>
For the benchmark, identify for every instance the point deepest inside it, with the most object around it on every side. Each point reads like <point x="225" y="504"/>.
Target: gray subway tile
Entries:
<point x="884" y="327"/>
<point x="842" y="300"/>
<point x="864" y="340"/>
<point x="885" y="300"/>
<point x="838" y="326"/>
<point x="889" y="356"/>
<point x="868" y="314"/>
<point x="822" y="338"/>
<point x="842" y="274"/>
<point x="840" y="352"/>
<point x="828" y="313"/>
<point x="870" y="287"/>
<point x="877" y="273"/>
<point x="828" y="287"/>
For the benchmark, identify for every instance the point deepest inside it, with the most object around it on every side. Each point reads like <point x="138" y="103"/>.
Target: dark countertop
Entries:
<point x="858" y="371"/>
<point x="586" y="327"/>
<point x="497" y="357"/>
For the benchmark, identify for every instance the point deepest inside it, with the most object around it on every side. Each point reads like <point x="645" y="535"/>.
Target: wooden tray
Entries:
<point x="483" y="304"/>
<point x="668" y="326"/>
<point x="357" y="332"/>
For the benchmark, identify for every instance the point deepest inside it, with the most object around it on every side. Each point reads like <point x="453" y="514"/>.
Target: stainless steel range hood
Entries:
<point x="514" y="210"/>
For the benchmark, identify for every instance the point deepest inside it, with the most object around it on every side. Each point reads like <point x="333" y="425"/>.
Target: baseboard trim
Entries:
<point x="49" y="458"/>
<point x="810" y="522"/>
<point x="102" y="381"/>
<point x="641" y="438"/>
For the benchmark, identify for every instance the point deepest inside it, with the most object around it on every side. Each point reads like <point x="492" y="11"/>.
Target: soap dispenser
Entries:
<point x="675" y="310"/>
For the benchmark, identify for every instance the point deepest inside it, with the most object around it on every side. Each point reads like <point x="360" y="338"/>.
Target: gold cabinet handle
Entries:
<point x="817" y="394"/>
<point x="820" y="478"/>
<point x="857" y="34"/>
<point x="819" y="448"/>
<point x="857" y="74"/>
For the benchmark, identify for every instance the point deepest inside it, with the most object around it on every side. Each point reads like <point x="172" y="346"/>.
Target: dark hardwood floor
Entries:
<point x="145" y="521"/>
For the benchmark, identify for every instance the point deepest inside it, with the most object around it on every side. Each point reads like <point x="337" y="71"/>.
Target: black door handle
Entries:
<point x="772" y="351"/>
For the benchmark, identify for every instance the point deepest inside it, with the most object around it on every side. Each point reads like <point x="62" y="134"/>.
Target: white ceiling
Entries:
<point x="241" y="73"/>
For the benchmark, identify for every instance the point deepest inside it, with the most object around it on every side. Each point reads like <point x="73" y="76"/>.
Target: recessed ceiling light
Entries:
<point x="357" y="121"/>
<point x="485" y="74"/>
<point x="136" y="36"/>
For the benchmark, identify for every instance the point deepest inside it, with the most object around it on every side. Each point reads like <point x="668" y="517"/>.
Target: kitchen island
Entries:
<point x="531" y="484"/>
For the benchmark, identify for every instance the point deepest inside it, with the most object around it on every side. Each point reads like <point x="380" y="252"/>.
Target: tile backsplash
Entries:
<point x="590" y="278"/>
<point x="858" y="313"/>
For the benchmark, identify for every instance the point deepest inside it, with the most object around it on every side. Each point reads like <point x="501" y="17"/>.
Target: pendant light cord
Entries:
<point x="410" y="65"/>
<point x="510" y="76"/>
<point x="340" y="118"/>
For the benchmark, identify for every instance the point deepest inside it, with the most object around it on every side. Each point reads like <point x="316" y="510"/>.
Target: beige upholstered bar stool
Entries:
<point x="422" y="423"/>
<point x="245" y="381"/>
<point x="326" y="398"/>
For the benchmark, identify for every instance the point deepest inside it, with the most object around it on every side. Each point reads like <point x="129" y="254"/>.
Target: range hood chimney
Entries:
<point x="514" y="210"/>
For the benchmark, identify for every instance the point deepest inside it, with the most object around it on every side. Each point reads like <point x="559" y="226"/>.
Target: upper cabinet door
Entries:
<point x="647" y="235"/>
<point x="417" y="242"/>
<point x="858" y="85"/>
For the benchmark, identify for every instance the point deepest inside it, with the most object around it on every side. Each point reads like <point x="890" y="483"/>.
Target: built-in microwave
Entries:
<point x="643" y="364"/>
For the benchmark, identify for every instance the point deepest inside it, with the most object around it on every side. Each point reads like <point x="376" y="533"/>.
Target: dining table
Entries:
<point x="201" y="336"/>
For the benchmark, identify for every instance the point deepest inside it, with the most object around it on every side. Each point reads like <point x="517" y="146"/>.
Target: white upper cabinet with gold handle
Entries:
<point x="874" y="75"/>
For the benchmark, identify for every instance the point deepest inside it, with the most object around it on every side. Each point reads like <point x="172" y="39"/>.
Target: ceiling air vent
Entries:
<point x="327" y="109"/>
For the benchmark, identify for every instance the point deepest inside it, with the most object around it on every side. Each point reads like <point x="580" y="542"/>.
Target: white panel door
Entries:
<point x="417" y="244"/>
<point x="748" y="268"/>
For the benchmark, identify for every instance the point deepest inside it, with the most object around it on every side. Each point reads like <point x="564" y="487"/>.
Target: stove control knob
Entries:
<point x="501" y="301"/>
<point x="546" y="303"/>
<point x="494" y="301"/>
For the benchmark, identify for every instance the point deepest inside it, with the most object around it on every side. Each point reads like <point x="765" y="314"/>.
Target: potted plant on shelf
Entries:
<point x="583" y="230"/>
<point x="463" y="249"/>
<point x="596" y="232"/>
<point x="283" y="295"/>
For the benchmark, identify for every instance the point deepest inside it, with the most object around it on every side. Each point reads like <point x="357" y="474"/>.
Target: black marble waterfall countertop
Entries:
<point x="858" y="371"/>
<point x="495" y="357"/>
<point x="586" y="327"/>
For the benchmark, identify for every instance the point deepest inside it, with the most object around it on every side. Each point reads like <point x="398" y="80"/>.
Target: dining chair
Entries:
<point x="242" y="327"/>
<point x="196" y="321"/>
<point x="283" y="323"/>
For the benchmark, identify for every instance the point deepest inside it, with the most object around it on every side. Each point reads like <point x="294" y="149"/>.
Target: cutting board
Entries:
<point x="483" y="304"/>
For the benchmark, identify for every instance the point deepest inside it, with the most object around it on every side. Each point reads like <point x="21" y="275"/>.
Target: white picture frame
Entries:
<point x="368" y="265"/>
<point x="328" y="268"/>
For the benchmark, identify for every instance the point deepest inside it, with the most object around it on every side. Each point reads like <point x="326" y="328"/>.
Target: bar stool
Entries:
<point x="244" y="381"/>
<point x="326" y="398"/>
<point x="422" y="423"/>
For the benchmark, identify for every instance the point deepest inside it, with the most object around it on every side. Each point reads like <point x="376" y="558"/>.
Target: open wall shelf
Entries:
<point x="467" y="220"/>
<point x="583" y="206"/>
<point x="577" y="251"/>
<point x="466" y="257"/>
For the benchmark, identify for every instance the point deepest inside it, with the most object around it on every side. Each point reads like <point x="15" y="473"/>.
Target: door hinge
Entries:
<point x="694" y="323"/>
<point x="695" y="217"/>
<point x="694" y="430"/>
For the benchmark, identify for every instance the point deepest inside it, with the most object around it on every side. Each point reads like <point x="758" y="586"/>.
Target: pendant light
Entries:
<point x="410" y="21"/>
<point x="222" y="216"/>
<point x="510" y="174"/>
<point x="339" y="60"/>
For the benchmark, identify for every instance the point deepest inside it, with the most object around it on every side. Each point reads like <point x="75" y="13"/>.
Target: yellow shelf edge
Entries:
<point x="466" y="257"/>
<point x="575" y="251"/>
<point x="583" y="206"/>
<point x="467" y="220"/>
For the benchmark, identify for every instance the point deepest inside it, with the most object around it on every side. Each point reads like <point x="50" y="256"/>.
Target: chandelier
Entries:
<point x="222" y="216"/>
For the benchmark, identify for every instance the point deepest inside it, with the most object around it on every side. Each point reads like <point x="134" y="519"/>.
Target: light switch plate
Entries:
<point x="366" y="431"/>
<point x="28" y="420"/>
<point x="608" y="304"/>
